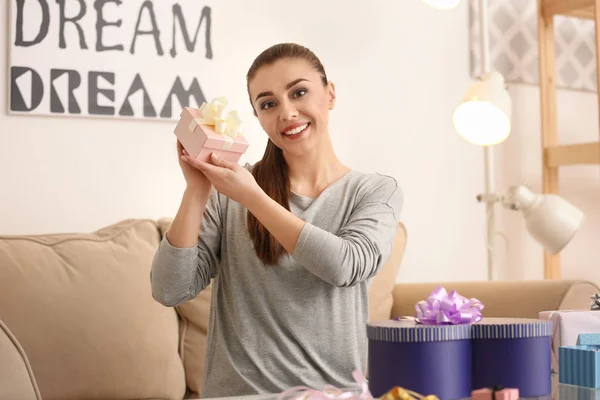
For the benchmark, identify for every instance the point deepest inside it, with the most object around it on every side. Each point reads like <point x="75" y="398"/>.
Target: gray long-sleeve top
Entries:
<point x="303" y="321"/>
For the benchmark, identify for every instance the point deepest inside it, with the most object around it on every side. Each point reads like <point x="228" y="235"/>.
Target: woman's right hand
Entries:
<point x="195" y="179"/>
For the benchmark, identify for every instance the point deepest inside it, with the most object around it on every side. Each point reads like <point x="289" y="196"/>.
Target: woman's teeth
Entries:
<point x="297" y="130"/>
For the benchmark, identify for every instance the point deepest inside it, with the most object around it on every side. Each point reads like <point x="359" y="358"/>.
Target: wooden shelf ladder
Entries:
<point x="555" y="155"/>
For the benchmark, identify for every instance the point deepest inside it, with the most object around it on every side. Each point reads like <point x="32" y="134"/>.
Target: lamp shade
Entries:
<point x="484" y="115"/>
<point x="551" y="220"/>
<point x="442" y="4"/>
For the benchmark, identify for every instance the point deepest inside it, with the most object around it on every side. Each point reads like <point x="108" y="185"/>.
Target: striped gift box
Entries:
<point x="579" y="365"/>
<point x="452" y="360"/>
<point x="513" y="352"/>
<point x="428" y="359"/>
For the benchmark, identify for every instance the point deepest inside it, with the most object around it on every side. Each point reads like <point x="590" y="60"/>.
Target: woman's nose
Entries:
<point x="288" y="111"/>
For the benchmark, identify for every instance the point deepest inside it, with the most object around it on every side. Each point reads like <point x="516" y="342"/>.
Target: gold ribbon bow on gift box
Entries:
<point x="229" y="126"/>
<point x="399" y="393"/>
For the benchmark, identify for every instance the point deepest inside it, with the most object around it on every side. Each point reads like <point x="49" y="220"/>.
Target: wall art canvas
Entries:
<point x="108" y="58"/>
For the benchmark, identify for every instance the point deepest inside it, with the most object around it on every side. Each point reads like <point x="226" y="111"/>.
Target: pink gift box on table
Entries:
<point x="566" y="327"/>
<point x="208" y="130"/>
<point x="495" y="394"/>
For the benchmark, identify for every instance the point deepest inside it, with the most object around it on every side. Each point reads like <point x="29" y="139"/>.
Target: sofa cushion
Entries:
<point x="381" y="291"/>
<point x="16" y="378"/>
<point x="195" y="313"/>
<point x="81" y="306"/>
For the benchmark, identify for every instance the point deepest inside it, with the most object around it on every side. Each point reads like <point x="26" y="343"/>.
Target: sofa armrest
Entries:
<point x="517" y="299"/>
<point x="16" y="377"/>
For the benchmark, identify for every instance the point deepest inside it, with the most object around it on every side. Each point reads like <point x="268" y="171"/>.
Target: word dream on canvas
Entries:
<point x="108" y="58"/>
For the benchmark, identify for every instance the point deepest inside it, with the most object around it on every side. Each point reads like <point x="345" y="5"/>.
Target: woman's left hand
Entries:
<point x="230" y="179"/>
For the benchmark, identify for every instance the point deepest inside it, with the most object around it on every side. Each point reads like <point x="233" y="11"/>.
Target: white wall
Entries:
<point x="397" y="81"/>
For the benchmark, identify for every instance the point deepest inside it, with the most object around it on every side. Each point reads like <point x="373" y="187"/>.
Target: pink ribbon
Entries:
<point x="443" y="308"/>
<point x="329" y="392"/>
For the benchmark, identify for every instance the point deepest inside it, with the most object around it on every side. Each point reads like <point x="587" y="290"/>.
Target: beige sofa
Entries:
<point x="78" y="319"/>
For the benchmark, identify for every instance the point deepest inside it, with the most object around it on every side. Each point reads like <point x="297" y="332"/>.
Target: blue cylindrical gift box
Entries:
<point x="513" y="353"/>
<point x="426" y="359"/>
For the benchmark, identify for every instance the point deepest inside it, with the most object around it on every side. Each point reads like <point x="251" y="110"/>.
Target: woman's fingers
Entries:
<point x="181" y="150"/>
<point x="214" y="173"/>
<point x="222" y="163"/>
<point x="201" y="165"/>
<point x="193" y="162"/>
<point x="211" y="170"/>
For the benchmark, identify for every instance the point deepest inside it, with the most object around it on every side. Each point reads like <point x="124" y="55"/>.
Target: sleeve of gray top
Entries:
<point x="179" y="274"/>
<point x="362" y="246"/>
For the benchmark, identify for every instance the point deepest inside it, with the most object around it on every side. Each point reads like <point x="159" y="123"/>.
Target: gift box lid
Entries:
<point x="408" y="331"/>
<point x="588" y="339"/>
<point x="511" y="328"/>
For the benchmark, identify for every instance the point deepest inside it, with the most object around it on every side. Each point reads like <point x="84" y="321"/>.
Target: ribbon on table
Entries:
<point x="332" y="393"/>
<point x="496" y="389"/>
<point x="595" y="304"/>
<point x="329" y="392"/>
<point x="443" y="308"/>
<point x="229" y="126"/>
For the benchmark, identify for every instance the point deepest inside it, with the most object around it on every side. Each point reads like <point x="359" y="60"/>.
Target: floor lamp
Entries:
<point x="483" y="118"/>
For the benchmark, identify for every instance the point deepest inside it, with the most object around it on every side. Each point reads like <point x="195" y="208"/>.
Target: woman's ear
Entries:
<point x="331" y="95"/>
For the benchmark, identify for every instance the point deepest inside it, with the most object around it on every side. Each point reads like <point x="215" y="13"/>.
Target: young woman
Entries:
<point x="290" y="243"/>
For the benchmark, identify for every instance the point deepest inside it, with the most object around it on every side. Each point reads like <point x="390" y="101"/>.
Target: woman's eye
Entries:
<point x="266" y="105"/>
<point x="299" y="92"/>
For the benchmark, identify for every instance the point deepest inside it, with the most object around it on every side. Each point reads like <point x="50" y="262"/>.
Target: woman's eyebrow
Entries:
<point x="287" y="87"/>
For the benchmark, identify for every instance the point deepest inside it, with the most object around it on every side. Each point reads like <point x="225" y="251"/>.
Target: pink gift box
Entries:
<point x="490" y="394"/>
<point x="566" y="327"/>
<point x="200" y="140"/>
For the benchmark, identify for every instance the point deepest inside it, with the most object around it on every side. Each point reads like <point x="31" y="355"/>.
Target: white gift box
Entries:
<point x="566" y="327"/>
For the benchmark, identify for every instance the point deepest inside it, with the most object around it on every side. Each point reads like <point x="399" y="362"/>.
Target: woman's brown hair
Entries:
<point x="271" y="172"/>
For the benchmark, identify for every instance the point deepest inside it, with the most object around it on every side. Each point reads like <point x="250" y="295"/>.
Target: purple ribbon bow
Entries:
<point x="442" y="308"/>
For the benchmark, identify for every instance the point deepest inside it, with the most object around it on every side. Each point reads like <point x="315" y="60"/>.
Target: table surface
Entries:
<point x="559" y="392"/>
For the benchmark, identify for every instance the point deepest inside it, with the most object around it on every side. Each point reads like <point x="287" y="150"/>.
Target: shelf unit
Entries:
<point x="555" y="155"/>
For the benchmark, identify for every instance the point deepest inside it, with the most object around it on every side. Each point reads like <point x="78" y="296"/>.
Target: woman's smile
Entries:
<point x="295" y="131"/>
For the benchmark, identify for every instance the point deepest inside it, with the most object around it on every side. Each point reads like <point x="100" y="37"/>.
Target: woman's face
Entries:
<point x="292" y="104"/>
